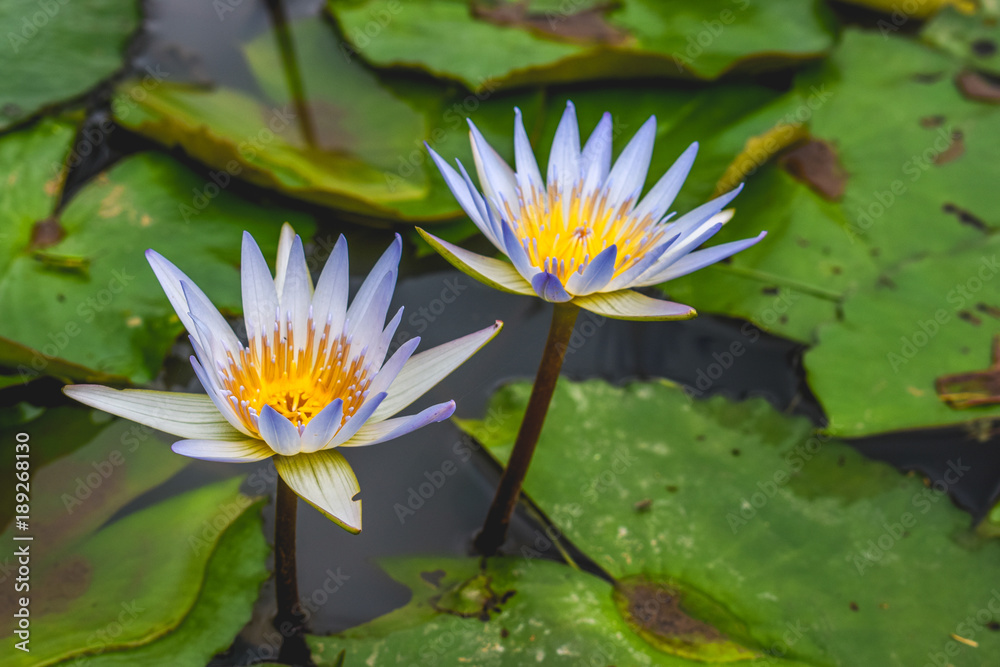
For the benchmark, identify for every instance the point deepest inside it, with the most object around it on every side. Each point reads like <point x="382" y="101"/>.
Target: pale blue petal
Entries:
<point x="278" y="432"/>
<point x="524" y="156"/>
<point x="596" y="275"/>
<point x="372" y="434"/>
<point x="357" y="420"/>
<point x="322" y="427"/>
<point x="219" y="397"/>
<point x="244" y="451"/>
<point x="382" y="382"/>
<point x="549" y="288"/>
<point x="495" y="175"/>
<point x="662" y="195"/>
<point x="260" y="300"/>
<point x="517" y="254"/>
<point x="458" y="188"/>
<point x="296" y="293"/>
<point x="564" y="158"/>
<point x="629" y="173"/>
<point x="330" y="298"/>
<point x="491" y="226"/>
<point x="595" y="161"/>
<point x="691" y="220"/>
<point x="700" y="259"/>
<point x="387" y="265"/>
<point x="627" y="278"/>
<point x="366" y="330"/>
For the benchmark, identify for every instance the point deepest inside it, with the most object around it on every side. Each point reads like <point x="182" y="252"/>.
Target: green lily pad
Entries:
<point x="876" y="371"/>
<point x="58" y="50"/>
<point x="825" y="557"/>
<point x="508" y="611"/>
<point x="86" y="467"/>
<point x="548" y="41"/>
<point x="74" y="283"/>
<point x="971" y="37"/>
<point x="132" y="582"/>
<point x="236" y="570"/>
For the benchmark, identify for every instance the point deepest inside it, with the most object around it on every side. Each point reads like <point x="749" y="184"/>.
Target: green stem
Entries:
<point x="288" y="620"/>
<point x="291" y="66"/>
<point x="494" y="531"/>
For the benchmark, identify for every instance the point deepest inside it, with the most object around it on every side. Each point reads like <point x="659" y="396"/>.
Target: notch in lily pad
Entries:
<point x="681" y="621"/>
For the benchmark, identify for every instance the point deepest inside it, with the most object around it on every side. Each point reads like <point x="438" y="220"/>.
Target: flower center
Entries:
<point x="562" y="236"/>
<point x="298" y="382"/>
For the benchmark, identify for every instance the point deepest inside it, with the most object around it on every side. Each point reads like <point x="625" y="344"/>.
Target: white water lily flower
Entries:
<point x="312" y="378"/>
<point x="583" y="235"/>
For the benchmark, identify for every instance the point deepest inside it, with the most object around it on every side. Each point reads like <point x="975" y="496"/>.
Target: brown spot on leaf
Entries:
<point x="46" y="233"/>
<point x="992" y="311"/>
<point x="964" y="217"/>
<point x="802" y="243"/>
<point x="984" y="47"/>
<point x="815" y="163"/>
<point x="643" y="505"/>
<point x="657" y="611"/>
<point x="954" y="151"/>
<point x="978" y="87"/>
<point x="994" y="626"/>
<point x="671" y="488"/>
<point x="854" y="606"/>
<point x="932" y="121"/>
<point x="969" y="317"/>
<point x="735" y="451"/>
<point x="771" y="291"/>
<point x="587" y="26"/>
<point x="504" y="633"/>
<point x="966" y="390"/>
<point x="433" y="577"/>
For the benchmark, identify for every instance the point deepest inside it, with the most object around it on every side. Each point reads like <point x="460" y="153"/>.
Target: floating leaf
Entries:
<point x="545" y="41"/>
<point x="822" y="554"/>
<point x="975" y="38"/>
<point x="88" y="300"/>
<point x="132" y="582"/>
<point x="55" y="51"/>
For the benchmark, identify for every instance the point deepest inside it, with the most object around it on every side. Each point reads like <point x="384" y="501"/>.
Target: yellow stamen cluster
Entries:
<point x="298" y="383"/>
<point x="562" y="239"/>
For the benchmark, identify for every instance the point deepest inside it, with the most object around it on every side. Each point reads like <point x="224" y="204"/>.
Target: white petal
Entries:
<point x="386" y="265"/>
<point x="595" y="160"/>
<point x="330" y="298"/>
<point x="630" y="305"/>
<point x="325" y="481"/>
<point x="629" y="173"/>
<point x="184" y="415"/>
<point x="219" y="397"/>
<point x="564" y="158"/>
<point x="524" y="156"/>
<point x="171" y="279"/>
<point x="285" y="239"/>
<point x="244" y="451"/>
<point x="260" y="300"/>
<point x="296" y="294"/>
<point x="365" y="331"/>
<point x="662" y="195"/>
<point x="376" y="353"/>
<point x="426" y="369"/>
<point x="390" y="370"/>
<point x="489" y="213"/>
<point x="458" y="188"/>
<point x="357" y="420"/>
<point x="372" y="434"/>
<point x="493" y="272"/>
<point x="278" y="432"/>
<point x="322" y="427"/>
<point x="495" y="175"/>
<point x="214" y="340"/>
<point x="517" y="254"/>
<point x="629" y="276"/>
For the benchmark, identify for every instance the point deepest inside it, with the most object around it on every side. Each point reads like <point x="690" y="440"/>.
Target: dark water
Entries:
<point x="188" y="38"/>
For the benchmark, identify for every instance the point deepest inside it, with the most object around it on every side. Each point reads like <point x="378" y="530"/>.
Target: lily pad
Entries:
<point x="825" y="557"/>
<point x="74" y="283"/>
<point x="55" y="51"/>
<point x="132" y="582"/>
<point x="547" y="41"/>
<point x="86" y="467"/>
<point x="506" y="611"/>
<point x="971" y="37"/>
<point x="876" y="371"/>
<point x="235" y="572"/>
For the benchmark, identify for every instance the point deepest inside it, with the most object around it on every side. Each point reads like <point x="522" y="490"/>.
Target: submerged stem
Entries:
<point x="494" y="531"/>
<point x="288" y="620"/>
